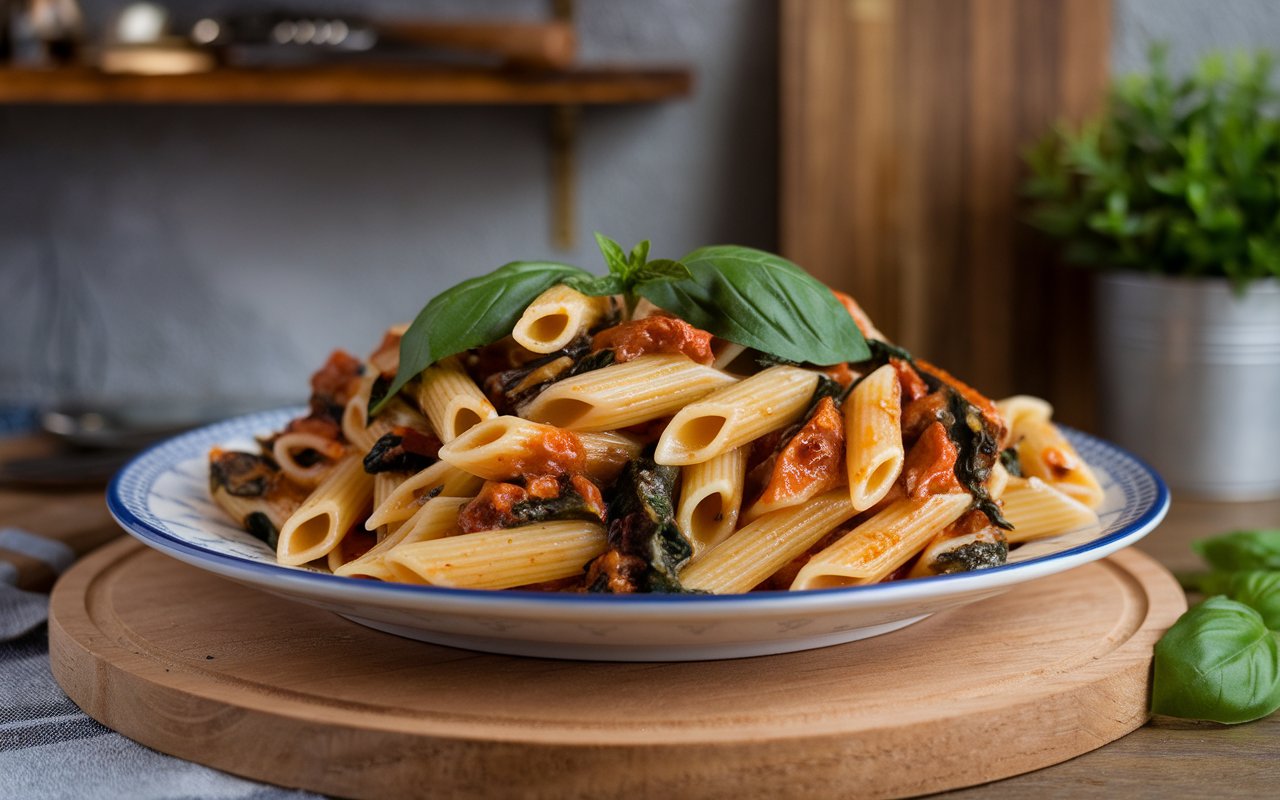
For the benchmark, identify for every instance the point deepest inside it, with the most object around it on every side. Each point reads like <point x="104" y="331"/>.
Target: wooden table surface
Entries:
<point x="1164" y="759"/>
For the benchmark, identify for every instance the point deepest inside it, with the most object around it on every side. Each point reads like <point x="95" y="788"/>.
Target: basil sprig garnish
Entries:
<point x="474" y="313"/>
<point x="1221" y="660"/>
<point x="763" y="301"/>
<point x="746" y="296"/>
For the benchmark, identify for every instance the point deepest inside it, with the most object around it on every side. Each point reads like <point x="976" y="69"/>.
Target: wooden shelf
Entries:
<point x="346" y="85"/>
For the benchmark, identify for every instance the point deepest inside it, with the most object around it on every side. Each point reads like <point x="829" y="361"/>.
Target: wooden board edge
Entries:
<point x="779" y="765"/>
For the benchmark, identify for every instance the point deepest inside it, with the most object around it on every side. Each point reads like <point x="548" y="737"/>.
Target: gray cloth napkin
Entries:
<point x="50" y="749"/>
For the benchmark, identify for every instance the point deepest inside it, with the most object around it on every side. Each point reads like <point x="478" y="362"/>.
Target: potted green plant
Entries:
<point x="1173" y="194"/>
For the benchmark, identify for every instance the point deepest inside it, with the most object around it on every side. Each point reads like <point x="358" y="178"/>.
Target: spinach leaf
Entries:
<point x="646" y="549"/>
<point x="1241" y="550"/>
<point x="1217" y="662"/>
<point x="1257" y="589"/>
<point x="760" y="300"/>
<point x="475" y="312"/>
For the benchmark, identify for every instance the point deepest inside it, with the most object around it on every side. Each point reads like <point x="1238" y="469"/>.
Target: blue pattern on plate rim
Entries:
<point x="174" y="472"/>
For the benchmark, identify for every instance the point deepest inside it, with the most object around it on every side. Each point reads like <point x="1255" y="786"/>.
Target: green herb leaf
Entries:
<point x="614" y="256"/>
<point x="1241" y="550"/>
<point x="596" y="285"/>
<point x="475" y="312"/>
<point x="1218" y="662"/>
<point x="640" y="253"/>
<point x="760" y="300"/>
<point x="1257" y="589"/>
<point x="663" y="269"/>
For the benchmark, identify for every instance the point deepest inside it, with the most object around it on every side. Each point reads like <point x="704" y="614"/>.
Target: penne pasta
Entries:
<point x="710" y="499"/>
<point x="1046" y="454"/>
<point x="436" y="518"/>
<point x="730" y="417"/>
<point x="500" y="559"/>
<point x="1021" y="410"/>
<point x="1037" y="509"/>
<point x="622" y="395"/>
<point x="873" y="427"/>
<point x="510" y="447"/>
<point x="760" y="549"/>
<point x="874" y="549"/>
<point x="694" y="463"/>
<point x="451" y="400"/>
<point x="319" y="524"/>
<point x="406" y="499"/>
<point x="556" y="317"/>
<point x="287" y="447"/>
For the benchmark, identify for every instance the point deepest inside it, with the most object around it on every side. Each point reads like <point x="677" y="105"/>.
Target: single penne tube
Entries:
<point x="710" y="499"/>
<point x="275" y="507"/>
<point x="742" y="561"/>
<point x="384" y="483"/>
<point x="621" y="395"/>
<point x="509" y="447"/>
<point x="873" y="431"/>
<point x="406" y="499"/>
<point x="730" y="417"/>
<point x="355" y="416"/>
<point x="1020" y="410"/>
<point x="1036" y="509"/>
<point x="556" y="317"/>
<point x="451" y="400"/>
<point x="500" y="559"/>
<point x="998" y="481"/>
<point x="1046" y="454"/>
<point x="436" y="518"/>
<point x="287" y="446"/>
<point x="877" y="547"/>
<point x="327" y="514"/>
<point x="937" y="557"/>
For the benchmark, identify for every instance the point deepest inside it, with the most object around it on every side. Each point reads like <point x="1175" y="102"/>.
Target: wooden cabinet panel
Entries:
<point x="902" y="124"/>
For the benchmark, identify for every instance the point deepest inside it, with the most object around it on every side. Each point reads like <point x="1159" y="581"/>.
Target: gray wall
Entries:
<point x="196" y="252"/>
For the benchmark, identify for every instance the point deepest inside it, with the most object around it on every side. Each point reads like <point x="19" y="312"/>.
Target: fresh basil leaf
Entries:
<point x="1257" y="589"/>
<point x="596" y="285"/>
<point x="663" y="269"/>
<point x="475" y="312"/>
<point x="614" y="256"/>
<point x="640" y="254"/>
<point x="760" y="300"/>
<point x="1241" y="550"/>
<point x="1218" y="662"/>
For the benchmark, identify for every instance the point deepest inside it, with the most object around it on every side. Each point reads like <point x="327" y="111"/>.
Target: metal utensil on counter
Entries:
<point x="92" y="443"/>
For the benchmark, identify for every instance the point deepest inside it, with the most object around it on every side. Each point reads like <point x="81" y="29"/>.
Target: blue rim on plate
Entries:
<point x="1146" y="500"/>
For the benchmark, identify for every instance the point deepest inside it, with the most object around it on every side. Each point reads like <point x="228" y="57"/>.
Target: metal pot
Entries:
<point x="1190" y="372"/>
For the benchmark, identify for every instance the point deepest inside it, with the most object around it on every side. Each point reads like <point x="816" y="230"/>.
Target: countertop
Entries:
<point x="1166" y="758"/>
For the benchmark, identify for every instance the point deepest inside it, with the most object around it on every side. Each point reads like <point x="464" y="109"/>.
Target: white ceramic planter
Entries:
<point x="1190" y="374"/>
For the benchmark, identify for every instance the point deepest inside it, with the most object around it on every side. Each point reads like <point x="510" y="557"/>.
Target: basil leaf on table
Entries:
<point x="1257" y="589"/>
<point x="1218" y="662"/>
<point x="1241" y="550"/>
<point x="476" y="312"/>
<point x="760" y="300"/>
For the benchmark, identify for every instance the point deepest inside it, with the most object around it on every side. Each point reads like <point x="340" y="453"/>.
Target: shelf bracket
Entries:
<point x="564" y="135"/>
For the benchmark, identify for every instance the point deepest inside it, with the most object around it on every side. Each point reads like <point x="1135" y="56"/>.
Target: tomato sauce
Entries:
<point x="812" y="461"/>
<point x="491" y="508"/>
<point x="656" y="334"/>
<point x="930" y="466"/>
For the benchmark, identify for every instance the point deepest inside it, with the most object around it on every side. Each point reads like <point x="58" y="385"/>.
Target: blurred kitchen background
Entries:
<point x="214" y="253"/>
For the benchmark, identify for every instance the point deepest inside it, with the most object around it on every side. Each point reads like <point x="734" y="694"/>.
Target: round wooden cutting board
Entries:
<point x="207" y="670"/>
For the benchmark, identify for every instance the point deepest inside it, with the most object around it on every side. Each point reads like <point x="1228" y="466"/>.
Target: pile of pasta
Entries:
<point x="596" y="450"/>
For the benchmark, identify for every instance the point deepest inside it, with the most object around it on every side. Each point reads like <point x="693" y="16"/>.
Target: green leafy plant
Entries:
<point x="1221" y="660"/>
<point x="739" y="294"/>
<point x="1179" y="176"/>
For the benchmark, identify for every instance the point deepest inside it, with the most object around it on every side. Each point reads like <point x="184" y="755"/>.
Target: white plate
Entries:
<point x="162" y="498"/>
